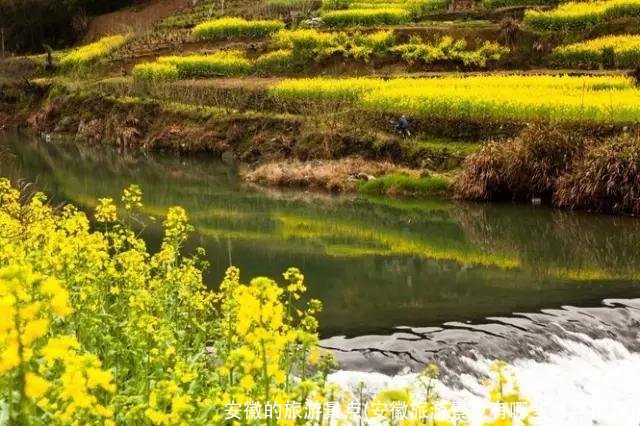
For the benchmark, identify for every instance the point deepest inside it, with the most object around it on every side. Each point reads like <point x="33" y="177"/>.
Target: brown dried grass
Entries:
<point x="520" y="168"/>
<point x="329" y="175"/>
<point x="606" y="179"/>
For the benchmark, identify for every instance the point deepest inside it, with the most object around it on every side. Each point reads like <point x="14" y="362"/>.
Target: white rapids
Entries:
<point x="590" y="382"/>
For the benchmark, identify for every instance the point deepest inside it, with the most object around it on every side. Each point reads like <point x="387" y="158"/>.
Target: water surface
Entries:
<point x="375" y="263"/>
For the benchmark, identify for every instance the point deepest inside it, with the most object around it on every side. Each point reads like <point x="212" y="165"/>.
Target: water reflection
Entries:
<point x="375" y="263"/>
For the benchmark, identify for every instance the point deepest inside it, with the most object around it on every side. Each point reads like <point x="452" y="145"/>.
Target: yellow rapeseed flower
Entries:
<point x="35" y="386"/>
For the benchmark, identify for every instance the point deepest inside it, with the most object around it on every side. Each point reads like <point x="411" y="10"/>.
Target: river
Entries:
<point x="403" y="282"/>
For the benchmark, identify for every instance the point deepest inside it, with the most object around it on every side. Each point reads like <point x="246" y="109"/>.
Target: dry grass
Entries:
<point x="606" y="179"/>
<point x="331" y="175"/>
<point x="563" y="167"/>
<point x="520" y="168"/>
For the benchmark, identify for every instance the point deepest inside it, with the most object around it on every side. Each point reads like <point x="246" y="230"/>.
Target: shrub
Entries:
<point x="446" y="49"/>
<point x="308" y="45"/>
<point x="154" y="71"/>
<point x="305" y="43"/>
<point x="227" y="28"/>
<point x="91" y="52"/>
<point x="621" y="51"/>
<point x="580" y="15"/>
<point x="223" y="63"/>
<point x="366" y="17"/>
<point x="606" y="179"/>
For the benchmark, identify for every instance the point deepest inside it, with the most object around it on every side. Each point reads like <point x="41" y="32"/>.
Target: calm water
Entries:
<point x="377" y="264"/>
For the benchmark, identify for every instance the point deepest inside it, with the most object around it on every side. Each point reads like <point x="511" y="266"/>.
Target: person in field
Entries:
<point x="403" y="127"/>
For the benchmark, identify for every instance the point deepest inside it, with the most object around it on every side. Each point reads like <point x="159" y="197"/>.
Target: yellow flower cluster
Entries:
<point x="340" y="13"/>
<point x="235" y="27"/>
<point x="230" y="62"/>
<point x="89" y="53"/>
<point x="624" y="50"/>
<point x="580" y="14"/>
<point x="97" y="330"/>
<point x="611" y="99"/>
<point x="100" y="330"/>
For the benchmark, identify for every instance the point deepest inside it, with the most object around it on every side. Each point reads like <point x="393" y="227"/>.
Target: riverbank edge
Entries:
<point x="579" y="167"/>
<point x="259" y="140"/>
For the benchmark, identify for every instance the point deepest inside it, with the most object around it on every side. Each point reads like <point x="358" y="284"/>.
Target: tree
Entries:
<point x="28" y="24"/>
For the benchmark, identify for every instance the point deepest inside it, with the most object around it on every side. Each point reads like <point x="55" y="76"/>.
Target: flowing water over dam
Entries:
<point x="404" y="282"/>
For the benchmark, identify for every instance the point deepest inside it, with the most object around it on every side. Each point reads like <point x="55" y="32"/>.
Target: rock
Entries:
<point x="356" y="177"/>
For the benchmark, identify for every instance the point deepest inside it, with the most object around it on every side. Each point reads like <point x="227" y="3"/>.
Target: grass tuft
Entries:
<point x="402" y="184"/>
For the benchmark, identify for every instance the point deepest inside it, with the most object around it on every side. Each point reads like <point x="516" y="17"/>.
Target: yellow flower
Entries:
<point x="157" y="417"/>
<point x="9" y="358"/>
<point x="247" y="382"/>
<point x="106" y="211"/>
<point x="103" y="411"/>
<point x="35" y="386"/>
<point x="97" y="377"/>
<point x="180" y="404"/>
<point x="34" y="330"/>
<point x="58" y="348"/>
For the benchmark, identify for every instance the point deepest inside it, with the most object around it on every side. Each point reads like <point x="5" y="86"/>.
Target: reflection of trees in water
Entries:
<point x="556" y="243"/>
<point x="375" y="262"/>
<point x="548" y="243"/>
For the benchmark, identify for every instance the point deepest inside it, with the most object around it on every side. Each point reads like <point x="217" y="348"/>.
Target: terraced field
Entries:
<point x="344" y="71"/>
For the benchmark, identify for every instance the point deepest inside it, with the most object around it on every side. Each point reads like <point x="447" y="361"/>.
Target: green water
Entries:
<point x="375" y="263"/>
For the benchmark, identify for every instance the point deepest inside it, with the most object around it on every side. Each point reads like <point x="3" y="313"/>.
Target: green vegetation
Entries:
<point x="92" y="52"/>
<point x="229" y="28"/>
<point x="295" y="50"/>
<point x="621" y="51"/>
<point x="580" y="15"/>
<point x="401" y="184"/>
<point x="409" y="69"/>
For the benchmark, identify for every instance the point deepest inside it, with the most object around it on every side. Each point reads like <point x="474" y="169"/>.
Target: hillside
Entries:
<point x="505" y="99"/>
